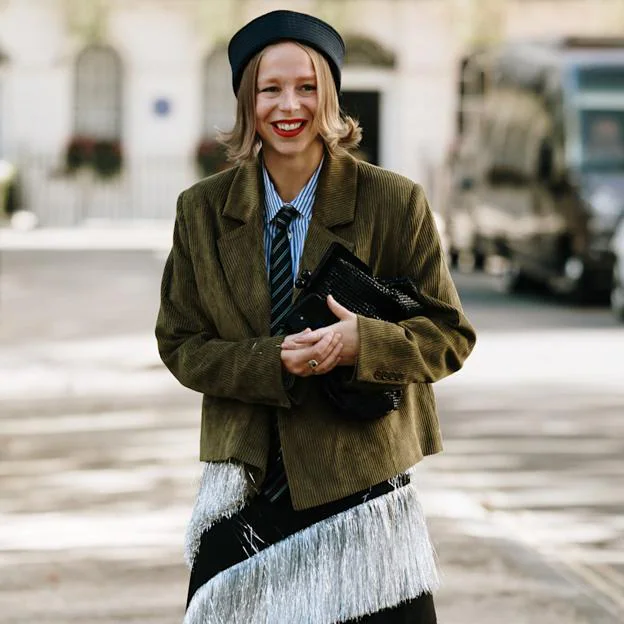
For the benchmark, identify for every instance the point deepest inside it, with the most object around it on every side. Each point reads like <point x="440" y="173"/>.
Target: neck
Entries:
<point x="291" y="173"/>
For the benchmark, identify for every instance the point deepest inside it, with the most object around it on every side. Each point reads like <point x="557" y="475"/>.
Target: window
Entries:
<point x="601" y="78"/>
<point x="361" y="50"/>
<point x="98" y="93"/>
<point x="602" y="138"/>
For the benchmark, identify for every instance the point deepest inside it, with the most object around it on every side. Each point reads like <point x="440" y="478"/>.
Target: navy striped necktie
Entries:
<point x="281" y="283"/>
<point x="281" y="268"/>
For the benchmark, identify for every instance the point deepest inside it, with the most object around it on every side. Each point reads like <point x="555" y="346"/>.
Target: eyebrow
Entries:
<point x="307" y="78"/>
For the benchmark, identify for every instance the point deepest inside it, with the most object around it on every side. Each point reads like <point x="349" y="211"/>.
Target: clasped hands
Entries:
<point x="319" y="351"/>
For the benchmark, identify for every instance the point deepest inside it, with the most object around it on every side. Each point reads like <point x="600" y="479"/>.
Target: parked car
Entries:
<point x="538" y="163"/>
<point x="617" y="290"/>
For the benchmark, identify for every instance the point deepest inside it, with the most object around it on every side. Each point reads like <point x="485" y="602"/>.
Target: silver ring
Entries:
<point x="312" y="364"/>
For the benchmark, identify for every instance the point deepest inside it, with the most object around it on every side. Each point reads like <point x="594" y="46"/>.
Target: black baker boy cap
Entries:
<point x="285" y="26"/>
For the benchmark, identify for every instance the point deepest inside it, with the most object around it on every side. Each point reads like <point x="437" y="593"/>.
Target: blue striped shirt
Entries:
<point x="298" y="228"/>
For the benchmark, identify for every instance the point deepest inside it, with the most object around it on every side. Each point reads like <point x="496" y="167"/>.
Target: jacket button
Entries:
<point x="303" y="279"/>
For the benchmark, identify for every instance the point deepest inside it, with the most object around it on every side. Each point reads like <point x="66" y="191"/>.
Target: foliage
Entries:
<point x="107" y="158"/>
<point x="211" y="157"/>
<point x="102" y="155"/>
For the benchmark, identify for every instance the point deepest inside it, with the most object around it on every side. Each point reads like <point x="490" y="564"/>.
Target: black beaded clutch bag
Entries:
<point x="350" y="281"/>
<point x="342" y="274"/>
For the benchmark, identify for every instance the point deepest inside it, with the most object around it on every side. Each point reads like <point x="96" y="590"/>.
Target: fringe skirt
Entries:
<point x="255" y="562"/>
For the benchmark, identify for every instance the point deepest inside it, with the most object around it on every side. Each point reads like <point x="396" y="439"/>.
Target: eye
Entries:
<point x="308" y="88"/>
<point x="271" y="89"/>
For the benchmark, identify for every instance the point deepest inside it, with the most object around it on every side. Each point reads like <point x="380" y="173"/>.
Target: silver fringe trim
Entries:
<point x="368" y="558"/>
<point x="223" y="490"/>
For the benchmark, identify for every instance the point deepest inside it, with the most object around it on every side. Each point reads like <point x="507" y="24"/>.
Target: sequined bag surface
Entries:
<point x="343" y="275"/>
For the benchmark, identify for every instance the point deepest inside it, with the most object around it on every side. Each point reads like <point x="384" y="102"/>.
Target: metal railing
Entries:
<point x="146" y="188"/>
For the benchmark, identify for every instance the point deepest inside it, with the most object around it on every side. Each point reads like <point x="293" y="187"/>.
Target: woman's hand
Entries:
<point x="347" y="327"/>
<point x="316" y="357"/>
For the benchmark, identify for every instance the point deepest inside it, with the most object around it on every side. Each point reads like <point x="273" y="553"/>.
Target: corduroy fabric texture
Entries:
<point x="213" y="328"/>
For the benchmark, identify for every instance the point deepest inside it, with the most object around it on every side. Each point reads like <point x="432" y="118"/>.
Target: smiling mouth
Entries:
<point x="289" y="128"/>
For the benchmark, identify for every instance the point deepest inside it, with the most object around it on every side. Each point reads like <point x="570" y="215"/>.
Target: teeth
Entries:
<point x="289" y="126"/>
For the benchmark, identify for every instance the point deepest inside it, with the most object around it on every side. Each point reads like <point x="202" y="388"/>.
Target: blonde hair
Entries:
<point x="339" y="131"/>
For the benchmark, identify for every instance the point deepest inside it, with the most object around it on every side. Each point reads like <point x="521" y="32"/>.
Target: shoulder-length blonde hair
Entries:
<point x="339" y="132"/>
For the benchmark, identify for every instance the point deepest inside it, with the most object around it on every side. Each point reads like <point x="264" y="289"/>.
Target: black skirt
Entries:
<point x="261" y="524"/>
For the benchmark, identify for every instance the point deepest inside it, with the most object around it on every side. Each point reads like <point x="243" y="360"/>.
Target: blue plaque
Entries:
<point x="162" y="107"/>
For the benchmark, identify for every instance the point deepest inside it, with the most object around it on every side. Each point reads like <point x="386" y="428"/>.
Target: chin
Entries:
<point x="291" y="149"/>
<point x="286" y="150"/>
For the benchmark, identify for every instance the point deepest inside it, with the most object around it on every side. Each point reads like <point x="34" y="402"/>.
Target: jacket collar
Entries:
<point x="335" y="196"/>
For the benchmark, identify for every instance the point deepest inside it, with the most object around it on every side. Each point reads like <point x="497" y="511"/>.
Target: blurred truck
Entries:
<point x="617" y="289"/>
<point x="536" y="173"/>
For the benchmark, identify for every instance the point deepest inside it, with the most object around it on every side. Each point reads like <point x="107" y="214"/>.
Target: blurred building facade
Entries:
<point x="106" y="105"/>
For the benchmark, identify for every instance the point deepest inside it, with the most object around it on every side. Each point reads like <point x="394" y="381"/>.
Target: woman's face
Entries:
<point x="286" y="102"/>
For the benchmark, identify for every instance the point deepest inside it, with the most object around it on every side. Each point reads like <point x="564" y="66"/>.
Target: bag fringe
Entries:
<point x="368" y="558"/>
<point x="223" y="491"/>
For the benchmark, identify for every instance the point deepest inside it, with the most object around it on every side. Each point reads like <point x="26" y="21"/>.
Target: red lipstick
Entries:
<point x="288" y="122"/>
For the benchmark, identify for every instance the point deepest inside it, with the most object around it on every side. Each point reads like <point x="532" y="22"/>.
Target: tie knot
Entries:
<point x="285" y="215"/>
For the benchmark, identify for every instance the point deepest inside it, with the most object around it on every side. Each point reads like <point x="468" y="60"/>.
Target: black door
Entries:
<point x="364" y="106"/>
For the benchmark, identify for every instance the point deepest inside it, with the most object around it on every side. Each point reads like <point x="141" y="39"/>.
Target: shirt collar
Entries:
<point x="303" y="203"/>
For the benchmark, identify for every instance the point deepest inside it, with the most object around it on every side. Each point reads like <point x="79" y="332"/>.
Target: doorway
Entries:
<point x="364" y="106"/>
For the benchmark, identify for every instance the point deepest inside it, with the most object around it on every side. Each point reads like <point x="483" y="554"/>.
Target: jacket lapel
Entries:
<point x="334" y="205"/>
<point x="241" y="249"/>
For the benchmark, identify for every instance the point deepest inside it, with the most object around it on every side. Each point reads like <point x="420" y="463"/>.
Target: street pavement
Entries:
<point x="98" y="448"/>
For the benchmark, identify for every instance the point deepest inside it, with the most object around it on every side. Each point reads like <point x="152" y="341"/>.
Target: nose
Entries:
<point x="289" y="100"/>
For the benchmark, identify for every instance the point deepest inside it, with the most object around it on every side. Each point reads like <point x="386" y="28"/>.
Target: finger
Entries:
<point x="326" y="350"/>
<point x="317" y="353"/>
<point x="313" y="336"/>
<point x="291" y="345"/>
<point x="298" y="335"/>
<point x="330" y="362"/>
<point x="289" y="341"/>
<point x="294" y="364"/>
<point x="340" y="311"/>
<point x="310" y="349"/>
<point x="319" y="350"/>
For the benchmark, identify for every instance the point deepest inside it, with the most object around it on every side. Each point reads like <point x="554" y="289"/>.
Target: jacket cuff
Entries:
<point x="383" y="352"/>
<point x="263" y="381"/>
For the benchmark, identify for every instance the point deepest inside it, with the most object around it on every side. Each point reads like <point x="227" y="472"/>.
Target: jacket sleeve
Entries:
<point x="422" y="348"/>
<point x="246" y="370"/>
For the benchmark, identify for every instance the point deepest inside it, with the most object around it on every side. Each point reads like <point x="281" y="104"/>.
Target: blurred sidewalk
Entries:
<point x="491" y="575"/>
<point x="94" y="235"/>
<point x="99" y="445"/>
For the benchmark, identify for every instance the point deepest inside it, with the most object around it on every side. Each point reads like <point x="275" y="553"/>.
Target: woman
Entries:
<point x="304" y="515"/>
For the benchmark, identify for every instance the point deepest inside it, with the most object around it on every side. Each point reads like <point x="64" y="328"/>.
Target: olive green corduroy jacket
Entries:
<point x="213" y="328"/>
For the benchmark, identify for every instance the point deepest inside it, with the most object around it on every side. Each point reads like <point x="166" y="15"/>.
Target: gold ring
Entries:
<point x="312" y="364"/>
